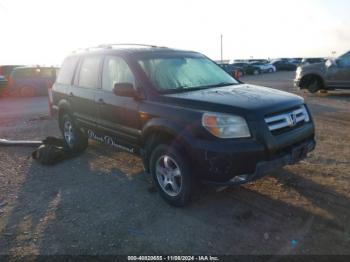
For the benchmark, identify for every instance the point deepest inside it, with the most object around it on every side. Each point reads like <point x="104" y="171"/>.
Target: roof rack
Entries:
<point x="110" y="46"/>
<point x="119" y="44"/>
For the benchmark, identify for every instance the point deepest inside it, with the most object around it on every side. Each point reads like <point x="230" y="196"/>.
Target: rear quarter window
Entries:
<point x="67" y="70"/>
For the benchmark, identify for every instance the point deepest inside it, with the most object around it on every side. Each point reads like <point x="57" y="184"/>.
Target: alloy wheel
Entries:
<point x="169" y="175"/>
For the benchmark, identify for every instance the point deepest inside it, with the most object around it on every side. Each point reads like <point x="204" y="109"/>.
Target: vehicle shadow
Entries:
<point x="101" y="203"/>
<point x="336" y="94"/>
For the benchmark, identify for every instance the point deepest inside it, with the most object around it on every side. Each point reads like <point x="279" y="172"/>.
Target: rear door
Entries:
<point x="118" y="116"/>
<point x="82" y="93"/>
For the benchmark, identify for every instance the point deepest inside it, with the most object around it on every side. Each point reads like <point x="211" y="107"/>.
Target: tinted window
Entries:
<point x="67" y="70"/>
<point x="116" y="70"/>
<point x="89" y="72"/>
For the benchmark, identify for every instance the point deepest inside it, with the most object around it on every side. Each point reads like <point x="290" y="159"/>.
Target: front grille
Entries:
<point x="286" y="121"/>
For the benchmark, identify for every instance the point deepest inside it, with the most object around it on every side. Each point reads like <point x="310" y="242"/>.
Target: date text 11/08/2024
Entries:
<point x="173" y="258"/>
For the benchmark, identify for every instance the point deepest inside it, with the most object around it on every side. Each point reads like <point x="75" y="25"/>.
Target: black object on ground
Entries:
<point x="52" y="151"/>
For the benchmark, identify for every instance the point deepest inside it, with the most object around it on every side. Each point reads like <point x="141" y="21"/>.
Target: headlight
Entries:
<point x="225" y="126"/>
<point x="305" y="113"/>
<point x="298" y="72"/>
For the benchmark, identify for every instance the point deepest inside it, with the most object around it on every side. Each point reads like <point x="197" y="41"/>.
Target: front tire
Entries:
<point x="75" y="140"/>
<point x="171" y="174"/>
<point x="314" y="85"/>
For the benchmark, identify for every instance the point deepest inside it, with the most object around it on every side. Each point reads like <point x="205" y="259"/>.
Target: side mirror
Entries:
<point x="124" y="89"/>
<point x="331" y="63"/>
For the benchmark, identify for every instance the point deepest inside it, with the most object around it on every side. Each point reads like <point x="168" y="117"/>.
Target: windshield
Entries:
<point x="184" y="73"/>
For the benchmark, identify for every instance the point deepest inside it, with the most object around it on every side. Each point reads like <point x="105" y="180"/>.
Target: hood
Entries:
<point x="242" y="97"/>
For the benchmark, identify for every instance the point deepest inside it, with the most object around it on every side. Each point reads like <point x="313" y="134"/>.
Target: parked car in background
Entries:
<point x="296" y="61"/>
<point x="248" y="69"/>
<point x="307" y="61"/>
<point x="232" y="70"/>
<point x="31" y="81"/>
<point x="332" y="74"/>
<point x="265" y="67"/>
<point x="284" y="65"/>
<point x="6" y="70"/>
<point x="3" y="84"/>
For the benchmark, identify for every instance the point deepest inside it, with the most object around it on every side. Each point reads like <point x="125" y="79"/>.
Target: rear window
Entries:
<point x="24" y="72"/>
<point x="34" y="72"/>
<point x="66" y="73"/>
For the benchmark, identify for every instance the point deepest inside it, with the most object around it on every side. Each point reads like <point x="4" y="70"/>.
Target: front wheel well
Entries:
<point x="307" y="79"/>
<point x="61" y="112"/>
<point x="156" y="137"/>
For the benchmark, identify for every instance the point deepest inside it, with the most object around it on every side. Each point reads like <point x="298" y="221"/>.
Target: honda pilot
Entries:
<point x="182" y="114"/>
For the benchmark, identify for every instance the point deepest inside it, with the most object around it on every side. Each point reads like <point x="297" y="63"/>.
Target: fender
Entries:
<point x="181" y="134"/>
<point x="64" y="105"/>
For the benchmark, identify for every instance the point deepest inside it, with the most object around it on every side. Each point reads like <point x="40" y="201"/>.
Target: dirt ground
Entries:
<point x="103" y="203"/>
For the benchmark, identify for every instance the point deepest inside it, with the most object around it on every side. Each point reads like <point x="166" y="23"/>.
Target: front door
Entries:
<point x="119" y="120"/>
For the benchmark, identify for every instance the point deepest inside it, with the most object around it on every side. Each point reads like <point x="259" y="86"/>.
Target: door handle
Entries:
<point x="101" y="101"/>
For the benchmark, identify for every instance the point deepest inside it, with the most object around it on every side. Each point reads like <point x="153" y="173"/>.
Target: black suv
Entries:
<point x="186" y="117"/>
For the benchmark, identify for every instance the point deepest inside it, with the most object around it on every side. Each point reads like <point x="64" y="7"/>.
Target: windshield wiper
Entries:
<point x="218" y="85"/>
<point x="180" y="89"/>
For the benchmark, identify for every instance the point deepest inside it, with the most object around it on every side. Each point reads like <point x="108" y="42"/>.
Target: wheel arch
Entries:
<point x="158" y="131"/>
<point x="63" y="107"/>
<point x="307" y="77"/>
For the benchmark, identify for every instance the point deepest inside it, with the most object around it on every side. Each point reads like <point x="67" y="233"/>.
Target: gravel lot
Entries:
<point x="103" y="203"/>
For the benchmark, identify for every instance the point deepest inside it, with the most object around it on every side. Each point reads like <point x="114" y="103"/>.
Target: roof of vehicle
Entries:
<point x="127" y="48"/>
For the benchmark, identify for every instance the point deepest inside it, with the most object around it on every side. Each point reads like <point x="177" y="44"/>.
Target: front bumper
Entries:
<point x="228" y="162"/>
<point x="263" y="168"/>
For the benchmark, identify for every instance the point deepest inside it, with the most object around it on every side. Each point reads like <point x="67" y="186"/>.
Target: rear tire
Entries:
<point x="74" y="139"/>
<point x="171" y="175"/>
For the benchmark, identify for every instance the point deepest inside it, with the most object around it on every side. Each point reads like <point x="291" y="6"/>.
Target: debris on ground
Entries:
<point x="266" y="236"/>
<point x="3" y="204"/>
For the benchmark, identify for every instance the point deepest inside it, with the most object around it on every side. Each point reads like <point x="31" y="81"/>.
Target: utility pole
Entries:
<point x="221" y="47"/>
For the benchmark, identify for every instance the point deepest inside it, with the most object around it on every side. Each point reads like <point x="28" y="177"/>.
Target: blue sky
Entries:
<point x="43" y="32"/>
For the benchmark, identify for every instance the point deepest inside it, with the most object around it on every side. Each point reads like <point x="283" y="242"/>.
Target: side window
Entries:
<point x="116" y="70"/>
<point x="67" y="71"/>
<point x="89" y="72"/>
